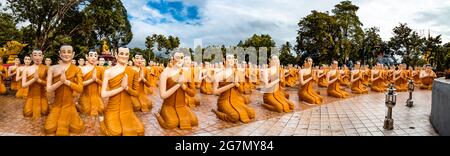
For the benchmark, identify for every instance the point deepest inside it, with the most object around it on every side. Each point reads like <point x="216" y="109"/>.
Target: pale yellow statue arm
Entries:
<point x="113" y="92"/>
<point x="18" y="75"/>
<point x="328" y="78"/>
<point x="265" y="79"/>
<point x="92" y="79"/>
<point x="26" y="83"/>
<point x="216" y="89"/>
<point x="352" y="77"/>
<point x="10" y="73"/>
<point x="162" y="85"/>
<point x="302" y="81"/>
<point x="52" y="87"/>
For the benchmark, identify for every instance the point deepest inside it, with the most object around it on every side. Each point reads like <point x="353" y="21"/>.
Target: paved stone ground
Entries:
<point x="359" y="115"/>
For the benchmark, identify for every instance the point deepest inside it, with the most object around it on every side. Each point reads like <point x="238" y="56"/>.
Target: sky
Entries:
<point x="217" y="22"/>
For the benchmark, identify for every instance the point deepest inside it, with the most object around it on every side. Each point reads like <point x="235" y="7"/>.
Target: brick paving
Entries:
<point x="359" y="115"/>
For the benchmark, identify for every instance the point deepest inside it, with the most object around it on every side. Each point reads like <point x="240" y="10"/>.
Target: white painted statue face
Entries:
<point x="81" y="62"/>
<point x="138" y="60"/>
<point x="178" y="59"/>
<point x="187" y="61"/>
<point x="37" y="57"/>
<point x="101" y="62"/>
<point x="27" y="60"/>
<point x="230" y="60"/>
<point x="48" y="61"/>
<point x="92" y="57"/>
<point x="66" y="53"/>
<point x="274" y="61"/>
<point x="16" y="61"/>
<point x="123" y="55"/>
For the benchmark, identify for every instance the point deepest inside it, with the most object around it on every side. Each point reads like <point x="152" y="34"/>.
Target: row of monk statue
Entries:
<point x="115" y="93"/>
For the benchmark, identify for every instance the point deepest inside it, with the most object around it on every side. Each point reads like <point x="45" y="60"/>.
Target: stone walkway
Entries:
<point x="359" y="115"/>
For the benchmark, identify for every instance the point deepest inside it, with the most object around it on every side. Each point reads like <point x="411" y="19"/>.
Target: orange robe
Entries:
<point x="175" y="112"/>
<point x="90" y="100"/>
<point x="231" y="105"/>
<point x="207" y="86"/>
<point x="378" y="85"/>
<point x="142" y="101"/>
<point x="345" y="78"/>
<point x="2" y="75"/>
<point x="401" y="85"/>
<point x="334" y="89"/>
<point x="366" y="77"/>
<point x="307" y="94"/>
<point x="120" y="119"/>
<point x="323" y="80"/>
<point x="14" y="83"/>
<point x="36" y="103"/>
<point x="358" y="85"/>
<point x="21" y="92"/>
<point x="290" y="79"/>
<point x="192" y="101"/>
<point x="427" y="83"/>
<point x="247" y="84"/>
<point x="416" y="78"/>
<point x="277" y="101"/>
<point x="63" y="115"/>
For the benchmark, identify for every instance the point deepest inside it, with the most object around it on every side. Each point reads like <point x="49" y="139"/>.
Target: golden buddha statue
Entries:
<point x="105" y="48"/>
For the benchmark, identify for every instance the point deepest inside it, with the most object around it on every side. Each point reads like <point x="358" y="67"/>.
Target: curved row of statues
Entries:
<point x="115" y="93"/>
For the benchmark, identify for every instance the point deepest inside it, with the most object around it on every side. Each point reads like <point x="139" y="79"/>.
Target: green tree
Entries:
<point x="433" y="52"/>
<point x="49" y="18"/>
<point x="8" y="30"/>
<point x="258" y="41"/>
<point x="316" y="38"/>
<point x="167" y="43"/>
<point x="109" y="20"/>
<point x="371" y="41"/>
<point x="405" y="43"/>
<point x="286" y="56"/>
<point x="351" y="34"/>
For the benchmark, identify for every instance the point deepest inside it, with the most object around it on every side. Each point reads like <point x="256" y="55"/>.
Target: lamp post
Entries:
<point x="409" y="102"/>
<point x="391" y="99"/>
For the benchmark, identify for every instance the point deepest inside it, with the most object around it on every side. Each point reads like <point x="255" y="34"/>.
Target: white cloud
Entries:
<point x="227" y="22"/>
<point x="386" y="14"/>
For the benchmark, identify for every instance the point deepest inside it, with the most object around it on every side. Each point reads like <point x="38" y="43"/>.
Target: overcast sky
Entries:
<point x="228" y="21"/>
